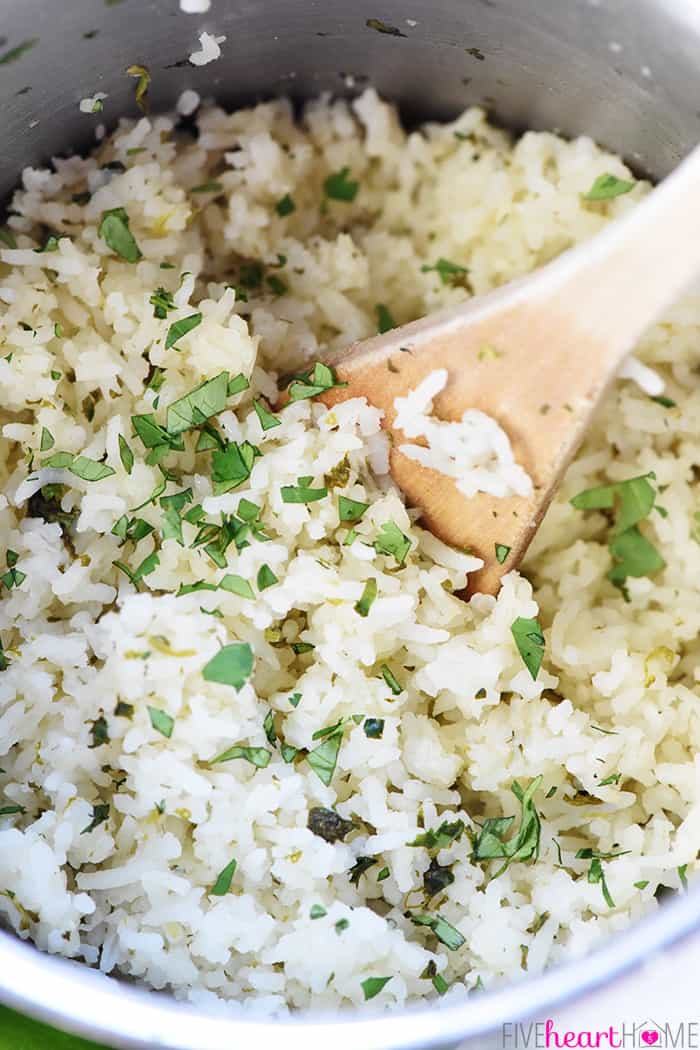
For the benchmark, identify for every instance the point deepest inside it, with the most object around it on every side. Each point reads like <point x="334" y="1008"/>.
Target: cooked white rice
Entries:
<point x="87" y="656"/>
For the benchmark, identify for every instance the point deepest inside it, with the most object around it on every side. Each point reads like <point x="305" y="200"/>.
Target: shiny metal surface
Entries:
<point x="624" y="71"/>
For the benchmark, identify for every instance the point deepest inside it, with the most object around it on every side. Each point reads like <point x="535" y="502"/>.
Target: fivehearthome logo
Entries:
<point x="648" y="1034"/>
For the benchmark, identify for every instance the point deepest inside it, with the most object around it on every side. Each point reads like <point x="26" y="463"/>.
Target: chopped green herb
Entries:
<point x="208" y="187"/>
<point x="445" y="932"/>
<point x="595" y="870"/>
<point x="439" y="983"/>
<point x="16" y="52"/>
<point x="641" y="885"/>
<point x="114" y="230"/>
<point x="323" y="759"/>
<point x="382" y="27"/>
<point x="232" y="665"/>
<point x="491" y="842"/>
<point x="144" y="569"/>
<point x="341" y="924"/>
<point x="257" y="756"/>
<point x="55" y="375"/>
<point x="302" y="647"/>
<point x="383" y="874"/>
<point x="390" y="680"/>
<point x="608" y="186"/>
<point x="339" y="187"/>
<point x="99" y="731"/>
<point x="223" y="880"/>
<point x="82" y="466"/>
<point x="374" y="728"/>
<point x="634" y="555"/>
<point x="392" y="541"/>
<point x="303" y="492"/>
<point x="368" y="598"/>
<point x="350" y="509"/>
<point x="372" y="986"/>
<point x="276" y="284"/>
<point x="47" y="440"/>
<point x="317" y="912"/>
<point x="361" y="865"/>
<point x="100" y="813"/>
<point x="288" y="753"/>
<point x="142" y="85"/>
<point x="530" y="642"/>
<point x="309" y="384"/>
<point x="682" y="869"/>
<point x="441" y="837"/>
<point x="232" y="465"/>
<point x="126" y="455"/>
<point x="665" y="402"/>
<point x="10" y="811"/>
<point x="437" y="878"/>
<point x="236" y="585"/>
<point x="161" y="721"/>
<point x="385" y="320"/>
<point x="285" y="206"/>
<point x="614" y="778"/>
<point x="123" y="710"/>
<point x="267" y="420"/>
<point x="502" y="552"/>
<point x="265" y="578"/>
<point x="50" y="245"/>
<point x="450" y="273"/>
<point x="179" y="329"/>
<point x="162" y="302"/>
<point x="204" y="401"/>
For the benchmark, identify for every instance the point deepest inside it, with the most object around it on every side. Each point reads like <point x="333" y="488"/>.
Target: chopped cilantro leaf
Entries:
<point x="265" y="578"/>
<point x="368" y="598"/>
<point x="223" y="880"/>
<point x="392" y="541"/>
<point x="390" y="680"/>
<point x="440" y="837"/>
<point x="114" y="230"/>
<point x="257" y="756"/>
<point x="162" y="302"/>
<point x="449" y="273"/>
<point x="47" y="440"/>
<point x="372" y="986"/>
<point x="100" y="813"/>
<point x="285" y="206"/>
<point x="445" y="932"/>
<point x="161" y="721"/>
<point x="126" y="455"/>
<point x="385" y="320"/>
<point x="502" y="552"/>
<point x="267" y="420"/>
<point x="317" y="912"/>
<point x="320" y="379"/>
<point x="606" y="187"/>
<point x="232" y="465"/>
<point x="491" y="841"/>
<point x="179" y="329"/>
<point x="82" y="466"/>
<point x="232" y="665"/>
<point x="236" y="585"/>
<point x="200" y="404"/>
<point x="142" y="85"/>
<point x="374" y="728"/>
<point x="339" y="187"/>
<point x="530" y="642"/>
<point x="323" y="759"/>
<point x="350" y="509"/>
<point x="302" y="493"/>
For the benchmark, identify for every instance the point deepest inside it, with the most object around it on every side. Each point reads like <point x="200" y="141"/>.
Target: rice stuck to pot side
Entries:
<point x="315" y="776"/>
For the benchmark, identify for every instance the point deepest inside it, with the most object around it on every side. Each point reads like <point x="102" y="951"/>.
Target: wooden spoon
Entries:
<point x="537" y="355"/>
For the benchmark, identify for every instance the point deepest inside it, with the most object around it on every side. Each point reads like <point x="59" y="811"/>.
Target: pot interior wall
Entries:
<point x="624" y="71"/>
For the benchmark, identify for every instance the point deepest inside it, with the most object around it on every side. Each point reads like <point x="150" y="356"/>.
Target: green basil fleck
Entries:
<point x="232" y="665"/>
<point x="114" y="230"/>
<point x="161" y="721"/>
<point x="223" y="880"/>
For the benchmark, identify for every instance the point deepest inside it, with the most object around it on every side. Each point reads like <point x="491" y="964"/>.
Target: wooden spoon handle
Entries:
<point x="622" y="281"/>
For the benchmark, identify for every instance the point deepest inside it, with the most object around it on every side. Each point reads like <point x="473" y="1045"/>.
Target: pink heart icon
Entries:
<point x="650" y="1037"/>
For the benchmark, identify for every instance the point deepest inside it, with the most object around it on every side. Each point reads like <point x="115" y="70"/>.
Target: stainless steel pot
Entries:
<point x="624" y="71"/>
